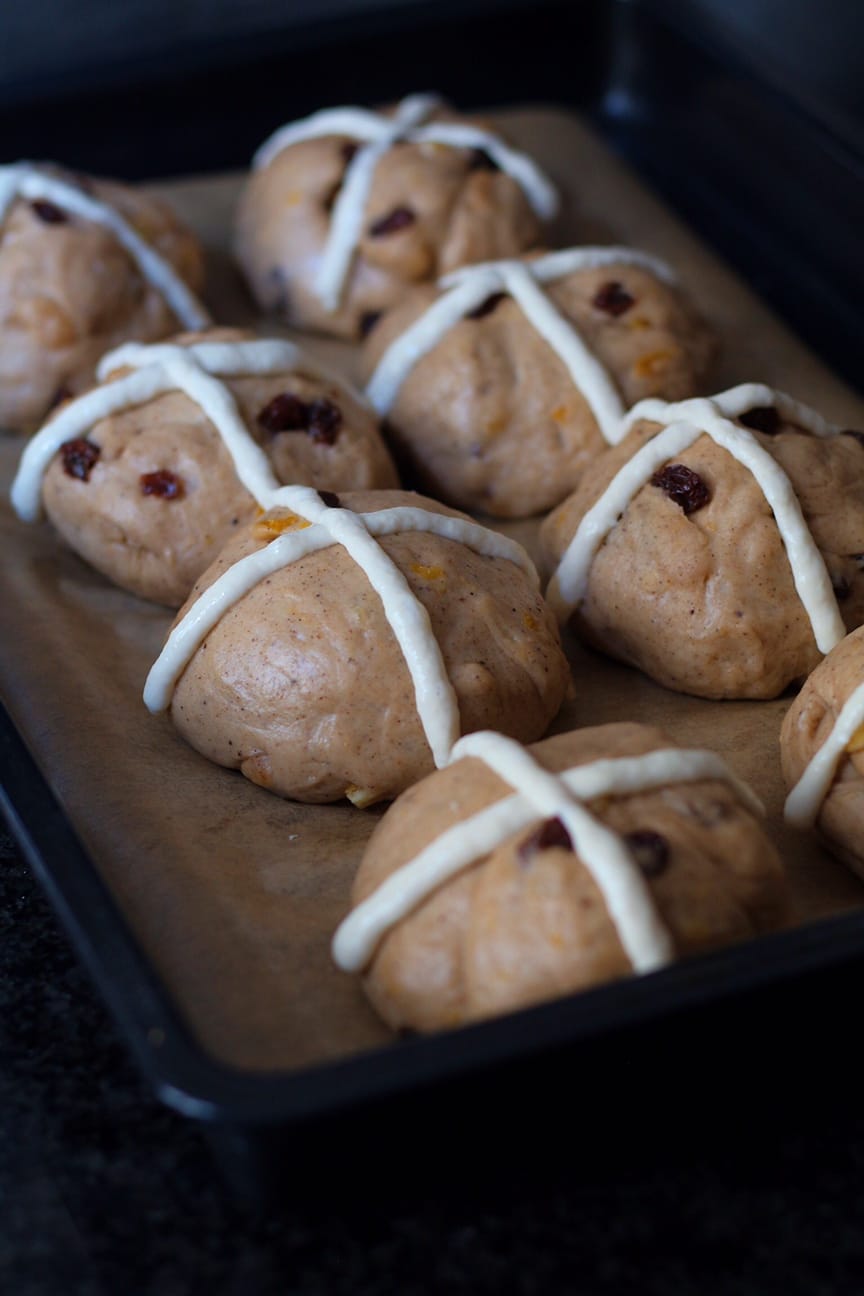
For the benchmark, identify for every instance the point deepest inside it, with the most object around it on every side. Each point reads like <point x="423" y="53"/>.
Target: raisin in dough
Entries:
<point x="491" y="419"/>
<point x="429" y="209"/>
<point x="528" y="920"/>
<point x="813" y="725"/>
<point x="704" y="601"/>
<point x="303" y="687"/>
<point x="162" y="495"/>
<point x="69" y="291"/>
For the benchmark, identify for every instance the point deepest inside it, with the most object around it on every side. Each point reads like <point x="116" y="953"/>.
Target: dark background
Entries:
<point x="748" y="116"/>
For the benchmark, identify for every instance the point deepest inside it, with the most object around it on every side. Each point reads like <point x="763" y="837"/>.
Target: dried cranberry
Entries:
<point x="764" y="418"/>
<point x="79" y="456"/>
<point x="399" y="218"/>
<point x="63" y="393"/>
<point x="649" y="850"/>
<point x="859" y="436"/>
<point x="324" y="420"/>
<point x="549" y="833"/>
<point x="330" y="498"/>
<point x="481" y="161"/>
<point x="486" y="307"/>
<point x="284" y="413"/>
<point x="613" y="298"/>
<point x="683" y="486"/>
<point x="368" y="320"/>
<point x="162" y="483"/>
<point x="49" y="212"/>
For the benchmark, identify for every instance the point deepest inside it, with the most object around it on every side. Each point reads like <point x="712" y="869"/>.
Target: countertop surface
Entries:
<point x="104" y="1191"/>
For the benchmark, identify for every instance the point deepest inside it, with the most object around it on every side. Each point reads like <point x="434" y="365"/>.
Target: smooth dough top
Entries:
<point x="431" y="208"/>
<point x="69" y="292"/>
<point x="156" y="543"/>
<point x="491" y="420"/>
<point x="527" y="922"/>
<point x="302" y="684"/>
<point x="808" y="723"/>
<point x="704" y="602"/>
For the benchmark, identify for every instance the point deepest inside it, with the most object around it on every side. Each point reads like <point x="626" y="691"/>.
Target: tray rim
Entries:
<point x="199" y="1085"/>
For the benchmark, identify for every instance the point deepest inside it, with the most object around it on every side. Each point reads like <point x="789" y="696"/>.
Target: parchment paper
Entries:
<point x="234" y="893"/>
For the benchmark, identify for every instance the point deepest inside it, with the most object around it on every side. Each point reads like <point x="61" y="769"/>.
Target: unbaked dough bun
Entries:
<point x="348" y="208"/>
<point x="500" y="386"/>
<point x="340" y="644"/>
<point x="718" y="546"/>
<point x="148" y="475"/>
<point x="515" y="876"/>
<point x="85" y="264"/>
<point x="822" y="751"/>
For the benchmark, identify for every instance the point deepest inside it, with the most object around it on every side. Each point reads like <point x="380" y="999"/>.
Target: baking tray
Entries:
<point x="258" y="1108"/>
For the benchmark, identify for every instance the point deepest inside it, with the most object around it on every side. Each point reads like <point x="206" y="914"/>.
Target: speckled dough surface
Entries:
<point x="302" y="684"/>
<point x="807" y="725"/>
<point x="460" y="209"/>
<point x="157" y="545"/>
<point x="70" y="292"/>
<point x="705" y="602"/>
<point x="528" y="922"/>
<point x="491" y="420"/>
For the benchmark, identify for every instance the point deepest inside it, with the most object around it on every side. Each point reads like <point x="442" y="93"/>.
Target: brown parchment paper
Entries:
<point x="233" y="893"/>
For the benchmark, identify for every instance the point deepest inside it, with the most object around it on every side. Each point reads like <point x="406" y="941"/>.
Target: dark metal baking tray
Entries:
<point x="700" y="1019"/>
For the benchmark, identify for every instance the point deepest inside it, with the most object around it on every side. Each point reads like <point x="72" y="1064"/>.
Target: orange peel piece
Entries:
<point x="856" y="742"/>
<point x="268" y="526"/>
<point x="653" y="363"/>
<point x="426" y="572"/>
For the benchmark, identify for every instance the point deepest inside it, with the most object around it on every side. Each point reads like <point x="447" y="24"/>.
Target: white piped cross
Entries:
<point x="437" y="704"/>
<point x="164" y="367"/>
<point x="685" y="422"/>
<point x="467" y="289"/>
<point x="192" y="369"/>
<point x="22" y="180"/>
<point x="804" y="802"/>
<point x="379" y="134"/>
<point x="628" y="898"/>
